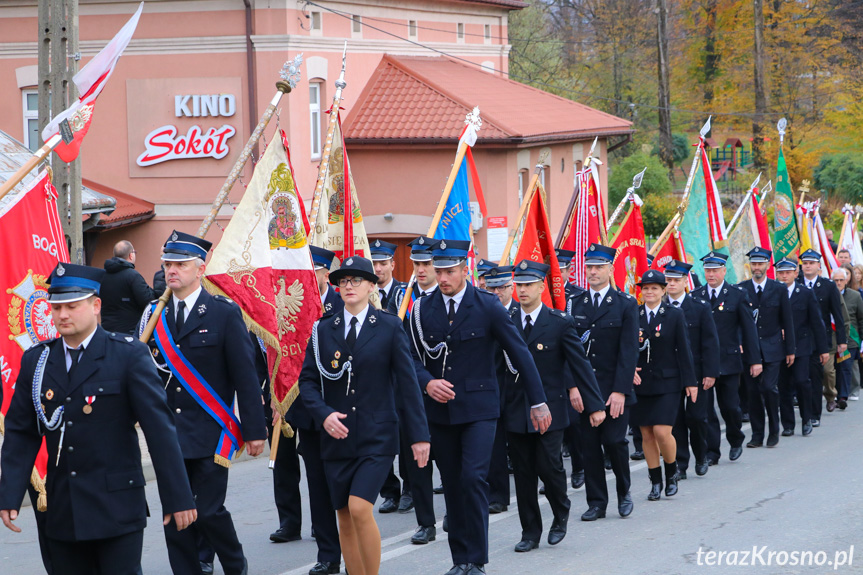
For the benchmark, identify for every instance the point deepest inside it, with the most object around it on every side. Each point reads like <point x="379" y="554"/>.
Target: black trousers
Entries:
<point x="419" y="481"/>
<point x="816" y="385"/>
<point x="320" y="504"/>
<point x="536" y="456"/>
<point x="286" y="485"/>
<point x="690" y="429"/>
<point x="795" y="379"/>
<point x="743" y="393"/>
<point x="498" y="473"/>
<point x="637" y="438"/>
<point x="724" y="392"/>
<point x="40" y="530"/>
<point x="572" y="438"/>
<point x="764" y="395"/>
<point x="119" y="555"/>
<point x="463" y="455"/>
<point x="611" y="435"/>
<point x="209" y="483"/>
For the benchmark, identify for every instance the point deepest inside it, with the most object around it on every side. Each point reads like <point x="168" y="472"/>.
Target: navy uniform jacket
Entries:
<point x="774" y="318"/>
<point x="215" y="341"/>
<point x="97" y="492"/>
<point x="395" y="288"/>
<point x="808" y="325"/>
<point x="559" y="357"/>
<point x="830" y="302"/>
<point x="500" y="363"/>
<point x="298" y="416"/>
<point x="612" y="345"/>
<point x="383" y="387"/>
<point x="670" y="367"/>
<point x="735" y="325"/>
<point x="480" y="323"/>
<point x="572" y="292"/>
<point x="703" y="339"/>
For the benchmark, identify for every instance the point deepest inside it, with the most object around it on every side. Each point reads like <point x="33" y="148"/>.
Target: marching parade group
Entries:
<point x="481" y="381"/>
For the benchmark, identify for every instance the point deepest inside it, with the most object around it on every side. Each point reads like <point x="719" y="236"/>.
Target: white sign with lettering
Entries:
<point x="163" y="144"/>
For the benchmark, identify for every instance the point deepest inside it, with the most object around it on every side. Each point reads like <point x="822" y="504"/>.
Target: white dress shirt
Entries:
<point x="190" y="301"/>
<point x="671" y="300"/>
<point x="82" y="347"/>
<point x="456" y="297"/>
<point x="601" y="293"/>
<point x="361" y="317"/>
<point x="717" y="290"/>
<point x="533" y="315"/>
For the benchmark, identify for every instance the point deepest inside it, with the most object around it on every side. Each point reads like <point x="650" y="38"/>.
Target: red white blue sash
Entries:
<point x="231" y="439"/>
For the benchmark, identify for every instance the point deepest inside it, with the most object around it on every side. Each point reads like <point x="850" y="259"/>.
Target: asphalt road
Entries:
<point x="797" y="501"/>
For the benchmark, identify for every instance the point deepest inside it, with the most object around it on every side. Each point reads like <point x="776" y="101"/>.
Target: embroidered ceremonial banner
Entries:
<point x="695" y="228"/>
<point x="33" y="243"/>
<point x="583" y="228"/>
<point x="742" y="238"/>
<point x="785" y="238"/>
<point x="263" y="263"/>
<point x="630" y="260"/>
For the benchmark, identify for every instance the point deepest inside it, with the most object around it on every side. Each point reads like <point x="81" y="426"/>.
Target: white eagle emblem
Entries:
<point x="288" y="305"/>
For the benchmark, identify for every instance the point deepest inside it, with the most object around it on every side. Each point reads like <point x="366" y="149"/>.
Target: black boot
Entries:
<point x="655" y="483"/>
<point x="671" y="478"/>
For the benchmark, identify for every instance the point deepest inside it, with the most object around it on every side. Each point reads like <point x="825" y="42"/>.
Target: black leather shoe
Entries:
<point x="816" y="423"/>
<point x="326" y="568"/>
<point x="542" y="489"/>
<point x="681" y="474"/>
<point x="459" y="569"/>
<point x="672" y="475"/>
<point x="712" y="461"/>
<point x="842" y="404"/>
<point x="772" y="440"/>
<point x="787" y="432"/>
<point x="807" y="429"/>
<point x="206" y="568"/>
<point x="423" y="535"/>
<point x="701" y="468"/>
<point x="388" y="506"/>
<point x="592" y="514"/>
<point x="406" y="503"/>
<point x="577" y="480"/>
<point x="655" y="492"/>
<point x="496" y="507"/>
<point x="526" y="545"/>
<point x="734" y="453"/>
<point x="564" y="451"/>
<point x="831" y="406"/>
<point x="475" y="569"/>
<point x="445" y="525"/>
<point x="625" y="506"/>
<point x="745" y="418"/>
<point x="756" y="442"/>
<point x="637" y="456"/>
<point x="438" y="490"/>
<point x="557" y="531"/>
<point x="282" y="535"/>
<point x="607" y="463"/>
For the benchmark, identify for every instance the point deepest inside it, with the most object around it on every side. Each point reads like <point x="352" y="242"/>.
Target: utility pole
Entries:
<point x="760" y="94"/>
<point x="58" y="63"/>
<point x="666" y="153"/>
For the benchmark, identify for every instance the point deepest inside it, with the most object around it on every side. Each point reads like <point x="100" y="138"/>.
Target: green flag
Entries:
<point x="785" y="238"/>
<point x="695" y="229"/>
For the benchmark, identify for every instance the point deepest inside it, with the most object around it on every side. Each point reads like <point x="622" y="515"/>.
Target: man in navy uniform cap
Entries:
<point x="564" y="260"/>
<point x="85" y="391"/>
<point x="326" y="531"/>
<point x="453" y="333"/>
<point x="209" y="333"/>
<point x="833" y="314"/>
<point x="607" y="322"/>
<point x="811" y="338"/>
<point x="777" y="342"/>
<point x="691" y="424"/>
<point x="482" y="268"/>
<point x="382" y="254"/>
<point x="568" y="380"/>
<point x="735" y="325"/>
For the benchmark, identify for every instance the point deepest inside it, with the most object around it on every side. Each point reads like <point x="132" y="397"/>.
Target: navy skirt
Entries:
<point x="361" y="477"/>
<point x="655" y="409"/>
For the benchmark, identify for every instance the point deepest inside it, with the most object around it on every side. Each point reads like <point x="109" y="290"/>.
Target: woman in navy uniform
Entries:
<point x="664" y="370"/>
<point x="357" y="383"/>
<point x="91" y="388"/>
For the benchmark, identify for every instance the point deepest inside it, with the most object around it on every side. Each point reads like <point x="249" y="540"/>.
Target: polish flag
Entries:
<point x="71" y="125"/>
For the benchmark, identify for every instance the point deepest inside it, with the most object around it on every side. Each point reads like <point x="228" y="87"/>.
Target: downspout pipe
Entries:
<point x="252" y="79"/>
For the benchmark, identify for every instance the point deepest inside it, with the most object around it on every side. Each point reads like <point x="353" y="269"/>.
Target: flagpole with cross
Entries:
<point x="473" y="123"/>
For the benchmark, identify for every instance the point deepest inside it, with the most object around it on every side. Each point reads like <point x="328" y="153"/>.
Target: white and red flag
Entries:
<point x="264" y="264"/>
<point x="33" y="242"/>
<point x="585" y="224"/>
<point x="72" y="124"/>
<point x="630" y="261"/>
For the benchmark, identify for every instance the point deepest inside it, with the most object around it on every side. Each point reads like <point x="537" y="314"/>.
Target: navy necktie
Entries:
<point x="451" y="313"/>
<point x="528" y="326"/>
<point x="352" y="333"/>
<point x="181" y="316"/>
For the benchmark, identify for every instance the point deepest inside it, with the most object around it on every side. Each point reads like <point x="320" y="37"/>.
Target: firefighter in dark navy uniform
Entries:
<point x="208" y="333"/>
<point x="85" y="392"/>
<point x="358" y="383"/>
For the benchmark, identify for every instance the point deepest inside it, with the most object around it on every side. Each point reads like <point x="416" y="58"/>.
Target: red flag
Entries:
<point x="630" y="261"/>
<point x="583" y="228"/>
<point x="763" y="239"/>
<point x="264" y="264"/>
<point x="34" y="241"/>
<point x="536" y="245"/>
<point x="74" y="122"/>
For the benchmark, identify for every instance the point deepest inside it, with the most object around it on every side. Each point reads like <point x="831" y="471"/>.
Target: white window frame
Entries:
<point x="459" y="32"/>
<point x="315" y="121"/>
<point x="319" y="30"/>
<point x="487" y="34"/>
<point x="412" y="29"/>
<point x="356" y="26"/>
<point x="27" y="116"/>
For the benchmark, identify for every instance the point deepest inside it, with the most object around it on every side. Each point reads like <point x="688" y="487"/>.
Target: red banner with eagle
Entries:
<point x="33" y="242"/>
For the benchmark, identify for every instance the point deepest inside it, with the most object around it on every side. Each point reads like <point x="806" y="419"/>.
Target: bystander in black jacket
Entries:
<point x="125" y="294"/>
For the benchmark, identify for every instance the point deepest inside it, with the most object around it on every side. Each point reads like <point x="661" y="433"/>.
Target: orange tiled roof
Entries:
<point x="425" y="99"/>
<point x="514" y="4"/>
<point x="129" y="209"/>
